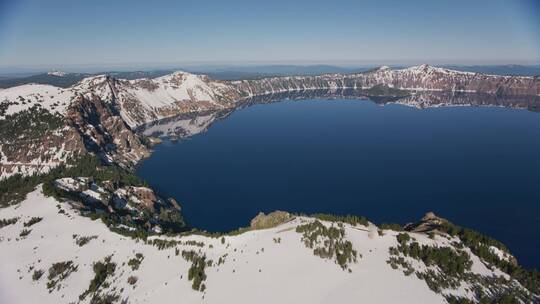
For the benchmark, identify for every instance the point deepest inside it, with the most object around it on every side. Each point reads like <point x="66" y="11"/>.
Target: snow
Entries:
<point x="169" y="94"/>
<point x="285" y="272"/>
<point x="94" y="84"/>
<point x="175" y="87"/>
<point x="57" y="73"/>
<point x="51" y="98"/>
<point x="501" y="254"/>
<point x="71" y="184"/>
<point x="49" y="158"/>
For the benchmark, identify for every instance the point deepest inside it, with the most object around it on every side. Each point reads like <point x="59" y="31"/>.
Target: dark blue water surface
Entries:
<point x="478" y="167"/>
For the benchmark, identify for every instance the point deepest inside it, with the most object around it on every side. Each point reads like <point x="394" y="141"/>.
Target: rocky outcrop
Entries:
<point x="133" y="206"/>
<point x="272" y="219"/>
<point x="35" y="141"/>
<point x="104" y="132"/>
<point x="430" y="222"/>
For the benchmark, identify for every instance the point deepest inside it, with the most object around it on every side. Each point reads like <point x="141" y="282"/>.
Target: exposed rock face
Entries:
<point x="39" y="155"/>
<point x="145" y="100"/>
<point x="145" y="197"/>
<point x="44" y="140"/>
<point x="133" y="205"/>
<point x="422" y="78"/>
<point x="429" y="222"/>
<point x="104" y="132"/>
<point x="35" y="141"/>
<point x="272" y="219"/>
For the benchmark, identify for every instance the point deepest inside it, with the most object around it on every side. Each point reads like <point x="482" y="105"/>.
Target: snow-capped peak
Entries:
<point x="427" y="69"/>
<point x="56" y="73"/>
<point x="180" y="73"/>
<point x="91" y="80"/>
<point x="420" y="68"/>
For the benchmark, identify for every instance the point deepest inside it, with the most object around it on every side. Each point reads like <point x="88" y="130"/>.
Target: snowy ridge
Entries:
<point x="165" y="96"/>
<point x="418" y="78"/>
<point x="144" y="100"/>
<point x="262" y="266"/>
<point x="425" y="68"/>
<point x="57" y="73"/>
<point x="51" y="98"/>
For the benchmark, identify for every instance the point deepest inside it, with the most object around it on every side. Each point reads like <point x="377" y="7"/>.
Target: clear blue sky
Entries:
<point x="116" y="32"/>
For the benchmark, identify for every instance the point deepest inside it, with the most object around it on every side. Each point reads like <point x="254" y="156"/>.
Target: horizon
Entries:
<point x="216" y="68"/>
<point x="46" y="36"/>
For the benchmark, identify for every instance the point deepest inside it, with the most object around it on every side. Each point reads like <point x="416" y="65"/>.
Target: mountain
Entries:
<point x="65" y="80"/>
<point x="99" y="113"/>
<point x="54" y="78"/>
<point x="418" y="78"/>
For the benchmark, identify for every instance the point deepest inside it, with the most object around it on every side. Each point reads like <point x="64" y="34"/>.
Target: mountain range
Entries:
<point x="99" y="113"/>
<point x="78" y="226"/>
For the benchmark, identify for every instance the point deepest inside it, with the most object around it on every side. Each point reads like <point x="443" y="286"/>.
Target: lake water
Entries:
<point x="476" y="166"/>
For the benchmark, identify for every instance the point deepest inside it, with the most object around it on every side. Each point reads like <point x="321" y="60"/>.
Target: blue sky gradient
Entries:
<point x="158" y="33"/>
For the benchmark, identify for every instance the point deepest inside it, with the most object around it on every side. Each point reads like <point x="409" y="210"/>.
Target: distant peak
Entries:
<point x="426" y="68"/>
<point x="179" y="73"/>
<point x="57" y="73"/>
<point x="175" y="74"/>
<point x="422" y="67"/>
<point x="383" y="68"/>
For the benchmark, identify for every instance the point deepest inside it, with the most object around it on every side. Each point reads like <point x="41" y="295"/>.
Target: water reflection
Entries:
<point x="186" y="125"/>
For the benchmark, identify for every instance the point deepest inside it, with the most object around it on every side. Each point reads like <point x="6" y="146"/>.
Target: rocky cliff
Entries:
<point x="418" y="78"/>
<point x="99" y="113"/>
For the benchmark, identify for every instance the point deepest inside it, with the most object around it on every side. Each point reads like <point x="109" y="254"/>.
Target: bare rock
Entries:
<point x="264" y="221"/>
<point x="429" y="222"/>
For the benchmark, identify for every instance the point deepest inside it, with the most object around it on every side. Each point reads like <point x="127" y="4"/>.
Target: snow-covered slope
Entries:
<point x="57" y="73"/>
<point x="259" y="266"/>
<point x="145" y="100"/>
<point x="20" y="98"/>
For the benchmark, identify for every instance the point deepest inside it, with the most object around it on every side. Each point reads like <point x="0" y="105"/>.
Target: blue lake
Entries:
<point x="476" y="166"/>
